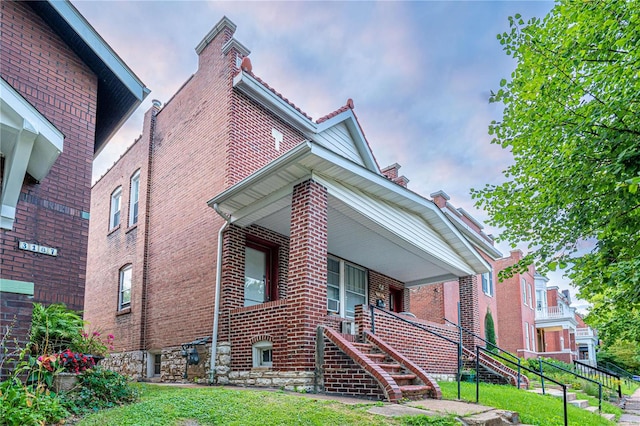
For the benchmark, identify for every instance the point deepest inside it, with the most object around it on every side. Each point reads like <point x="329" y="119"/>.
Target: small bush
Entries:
<point x="22" y="404"/>
<point x="99" y="388"/>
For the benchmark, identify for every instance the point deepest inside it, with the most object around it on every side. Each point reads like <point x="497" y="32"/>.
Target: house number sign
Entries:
<point x="36" y="248"/>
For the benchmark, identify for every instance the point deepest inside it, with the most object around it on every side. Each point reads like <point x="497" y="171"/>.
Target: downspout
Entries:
<point x="216" y="305"/>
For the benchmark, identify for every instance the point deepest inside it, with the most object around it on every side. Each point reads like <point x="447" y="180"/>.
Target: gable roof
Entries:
<point x="260" y="92"/>
<point x="120" y="91"/>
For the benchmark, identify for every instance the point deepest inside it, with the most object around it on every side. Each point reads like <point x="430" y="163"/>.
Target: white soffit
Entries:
<point x="29" y="143"/>
<point x="403" y="214"/>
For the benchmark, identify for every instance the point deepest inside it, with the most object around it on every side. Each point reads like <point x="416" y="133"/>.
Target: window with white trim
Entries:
<point x="524" y="292"/>
<point x="134" y="196"/>
<point x="526" y="335"/>
<point x="529" y="295"/>
<point x="346" y="287"/>
<point x="262" y="354"/>
<point x="124" y="292"/>
<point x="533" y="338"/>
<point x="116" y="201"/>
<point x="487" y="283"/>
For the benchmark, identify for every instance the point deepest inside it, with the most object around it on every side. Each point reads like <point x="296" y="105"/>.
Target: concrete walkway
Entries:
<point x="631" y="412"/>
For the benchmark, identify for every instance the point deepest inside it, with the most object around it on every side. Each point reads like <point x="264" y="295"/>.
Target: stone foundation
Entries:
<point x="130" y="364"/>
<point x="173" y="365"/>
<point x="298" y="381"/>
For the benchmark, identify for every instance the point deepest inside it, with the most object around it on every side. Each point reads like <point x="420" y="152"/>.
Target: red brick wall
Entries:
<point x="110" y="250"/>
<point x="428" y="302"/>
<point x="307" y="281"/>
<point x="431" y="353"/>
<point x="341" y="375"/>
<point x="37" y="63"/>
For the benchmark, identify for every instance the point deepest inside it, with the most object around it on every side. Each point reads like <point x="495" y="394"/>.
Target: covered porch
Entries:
<point x="308" y="238"/>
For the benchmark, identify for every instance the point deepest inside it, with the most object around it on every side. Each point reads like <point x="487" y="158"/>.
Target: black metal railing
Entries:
<point x="609" y="366"/>
<point x="373" y="308"/>
<point x="608" y="379"/>
<point x="492" y="346"/>
<point x="542" y="362"/>
<point x="542" y="376"/>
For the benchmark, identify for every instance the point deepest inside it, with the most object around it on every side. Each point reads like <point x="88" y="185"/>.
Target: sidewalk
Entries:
<point x="631" y="412"/>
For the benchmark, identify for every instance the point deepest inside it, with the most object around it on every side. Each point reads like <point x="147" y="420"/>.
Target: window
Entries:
<point x="346" y="287"/>
<point x="487" y="283"/>
<point x="529" y="295"/>
<point x="526" y="335"/>
<point x="157" y="364"/>
<point x="263" y="354"/>
<point x="114" y="217"/>
<point x="260" y="273"/>
<point x="533" y="338"/>
<point x="134" y="196"/>
<point x="524" y="291"/>
<point x="124" y="294"/>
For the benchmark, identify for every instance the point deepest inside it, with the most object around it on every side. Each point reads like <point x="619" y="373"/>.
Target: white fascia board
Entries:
<point x="85" y="31"/>
<point x="432" y="280"/>
<point x="476" y="239"/>
<point x="420" y="203"/>
<point x="10" y="98"/>
<point x="258" y="92"/>
<point x="356" y="133"/>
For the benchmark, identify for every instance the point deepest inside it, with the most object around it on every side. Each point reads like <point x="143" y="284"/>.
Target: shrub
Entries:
<point x="22" y="404"/>
<point x="99" y="388"/>
<point x="53" y="328"/>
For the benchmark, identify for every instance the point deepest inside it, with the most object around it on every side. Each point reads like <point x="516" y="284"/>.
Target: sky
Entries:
<point x="419" y="73"/>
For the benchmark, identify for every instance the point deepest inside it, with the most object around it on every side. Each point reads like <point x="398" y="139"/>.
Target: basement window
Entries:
<point x="263" y="354"/>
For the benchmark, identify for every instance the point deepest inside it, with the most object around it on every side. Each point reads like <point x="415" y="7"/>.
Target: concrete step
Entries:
<point x="591" y="409"/>
<point x="580" y="403"/>
<point x="571" y="396"/>
<point x="608" y="416"/>
<point x="403" y="379"/>
<point x="391" y="368"/>
<point x="414" y="392"/>
<point x="492" y="418"/>
<point x="377" y="358"/>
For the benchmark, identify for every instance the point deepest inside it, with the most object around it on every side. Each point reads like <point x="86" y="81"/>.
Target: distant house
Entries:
<point x="63" y="93"/>
<point x="245" y="230"/>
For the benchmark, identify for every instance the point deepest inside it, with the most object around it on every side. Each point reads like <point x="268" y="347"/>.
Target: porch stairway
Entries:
<point x="493" y="367"/>
<point x="399" y="377"/>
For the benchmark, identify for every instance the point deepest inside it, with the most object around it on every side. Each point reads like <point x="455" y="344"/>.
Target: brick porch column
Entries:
<point x="307" y="281"/>
<point x="469" y="313"/>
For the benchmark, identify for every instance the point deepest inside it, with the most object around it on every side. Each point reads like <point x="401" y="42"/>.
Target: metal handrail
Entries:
<point x="609" y="366"/>
<point x="541" y="361"/>
<point x="609" y="379"/>
<point x="461" y="328"/>
<point x="564" y="387"/>
<point x="372" y="308"/>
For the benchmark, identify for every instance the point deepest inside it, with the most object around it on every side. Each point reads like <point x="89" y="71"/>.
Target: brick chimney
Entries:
<point x="391" y="173"/>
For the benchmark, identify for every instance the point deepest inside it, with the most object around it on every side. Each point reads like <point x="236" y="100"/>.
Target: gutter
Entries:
<point x="216" y="305"/>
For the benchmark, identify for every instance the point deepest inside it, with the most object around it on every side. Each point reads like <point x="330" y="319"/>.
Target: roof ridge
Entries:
<point x="275" y="92"/>
<point x="345" y="107"/>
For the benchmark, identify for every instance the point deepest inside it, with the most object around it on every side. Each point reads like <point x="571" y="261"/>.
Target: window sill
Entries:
<point x="124" y="311"/>
<point x="112" y="230"/>
<point x="487" y="294"/>
<point x="261" y="369"/>
<point x="131" y="228"/>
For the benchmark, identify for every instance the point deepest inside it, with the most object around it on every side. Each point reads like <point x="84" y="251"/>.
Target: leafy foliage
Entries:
<point x="570" y="119"/>
<point x="97" y="389"/>
<point x="490" y="331"/>
<point x="22" y="404"/>
<point x="53" y="328"/>
<point x="624" y="354"/>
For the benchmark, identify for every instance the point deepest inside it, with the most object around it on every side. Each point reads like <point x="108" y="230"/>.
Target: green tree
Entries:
<point x="572" y="121"/>
<point x="490" y="331"/>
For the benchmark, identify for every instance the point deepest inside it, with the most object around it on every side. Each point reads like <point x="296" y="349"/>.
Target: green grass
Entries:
<point x="160" y="405"/>
<point x="533" y="409"/>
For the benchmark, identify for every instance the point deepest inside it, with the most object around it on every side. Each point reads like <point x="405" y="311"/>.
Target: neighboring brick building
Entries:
<point x="517" y="309"/>
<point x="63" y="94"/>
<point x="236" y="222"/>
<point x="439" y="301"/>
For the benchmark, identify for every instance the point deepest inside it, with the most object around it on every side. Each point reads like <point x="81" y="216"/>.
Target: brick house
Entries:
<point x="517" y="309"/>
<point x="265" y="238"/>
<point x="63" y="94"/>
<point x="557" y="324"/>
<point x="439" y="301"/>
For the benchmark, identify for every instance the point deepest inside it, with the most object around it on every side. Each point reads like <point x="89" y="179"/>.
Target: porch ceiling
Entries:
<point x="371" y="221"/>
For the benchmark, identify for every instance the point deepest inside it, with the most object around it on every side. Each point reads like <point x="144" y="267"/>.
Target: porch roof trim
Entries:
<point x="269" y="187"/>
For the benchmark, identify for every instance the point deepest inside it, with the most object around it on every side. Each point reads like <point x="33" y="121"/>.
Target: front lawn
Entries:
<point x="168" y="405"/>
<point x="533" y="409"/>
